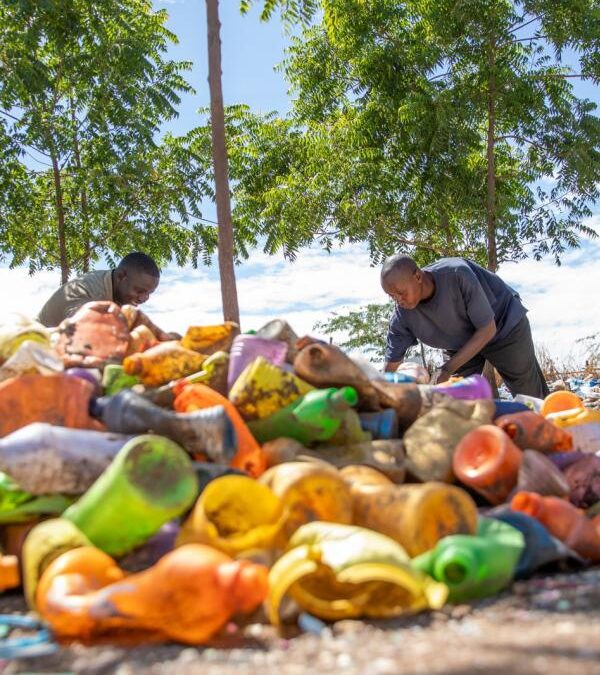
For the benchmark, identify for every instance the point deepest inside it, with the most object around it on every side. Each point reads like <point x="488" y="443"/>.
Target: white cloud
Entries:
<point x="563" y="302"/>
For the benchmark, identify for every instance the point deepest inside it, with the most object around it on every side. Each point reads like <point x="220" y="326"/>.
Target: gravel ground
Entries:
<point x="548" y="625"/>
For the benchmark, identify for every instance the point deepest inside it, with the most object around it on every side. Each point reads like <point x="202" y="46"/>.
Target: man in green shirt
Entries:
<point x="131" y="283"/>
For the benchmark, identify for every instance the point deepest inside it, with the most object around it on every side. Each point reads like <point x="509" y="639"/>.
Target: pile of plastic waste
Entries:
<point x="246" y="470"/>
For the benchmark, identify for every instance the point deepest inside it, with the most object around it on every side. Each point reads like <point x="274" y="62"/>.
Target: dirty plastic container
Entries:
<point x="488" y="461"/>
<point x="381" y="425"/>
<point x="150" y="482"/>
<point x="475" y="566"/>
<point x="563" y="520"/>
<point x="188" y="596"/>
<point x="165" y="362"/>
<point x="44" y="459"/>
<point x="314" y="417"/>
<point x="469" y="388"/>
<point x="530" y="431"/>
<point x="246" y="348"/>
<point x="416" y="516"/>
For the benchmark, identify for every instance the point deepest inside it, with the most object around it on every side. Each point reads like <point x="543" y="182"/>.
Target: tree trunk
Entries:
<point x="60" y="220"/>
<point x="82" y="196"/>
<point x="489" y="372"/>
<point x="491" y="161"/>
<point x="231" y="310"/>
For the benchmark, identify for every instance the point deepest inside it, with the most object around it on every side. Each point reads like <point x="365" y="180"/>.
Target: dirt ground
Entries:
<point x="547" y="625"/>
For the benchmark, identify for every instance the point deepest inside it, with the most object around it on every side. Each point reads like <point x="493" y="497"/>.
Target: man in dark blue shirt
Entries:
<point x="469" y="312"/>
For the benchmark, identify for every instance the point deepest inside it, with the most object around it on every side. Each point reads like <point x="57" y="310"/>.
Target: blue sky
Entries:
<point x="563" y="302"/>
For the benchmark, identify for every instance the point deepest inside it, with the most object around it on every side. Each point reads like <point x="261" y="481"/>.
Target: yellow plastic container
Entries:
<point x="210" y="339"/>
<point x="416" y="516"/>
<point x="341" y="572"/>
<point x="262" y="389"/>
<point x="309" y="491"/>
<point x="560" y="401"/>
<point x="163" y="363"/>
<point x="583" y="425"/>
<point x="234" y="514"/>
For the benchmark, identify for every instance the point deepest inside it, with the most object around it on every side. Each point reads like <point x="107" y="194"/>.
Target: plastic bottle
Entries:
<point x="114" y="379"/>
<point x="539" y="474"/>
<point x="279" y="329"/>
<point x="563" y="520"/>
<point x="530" y="431"/>
<point x="399" y="378"/>
<point x="339" y="572"/>
<point x="541" y="548"/>
<point x="163" y="363"/>
<point x="474" y="567"/>
<point x="56" y="399"/>
<point x="196" y="398"/>
<point x="558" y="401"/>
<point x="262" y="389"/>
<point x="141" y="338"/>
<point x="416" y="516"/>
<point x="488" y="461"/>
<point x="150" y="482"/>
<point x="15" y="329"/>
<point x="95" y="335"/>
<point x="583" y="480"/>
<point x="246" y="348"/>
<point x="431" y="440"/>
<point x="314" y="417"/>
<point x="44" y="543"/>
<point x="324" y="365"/>
<point x="210" y="339"/>
<point x="10" y="575"/>
<point x="203" y="433"/>
<point x="188" y="596"/>
<point x="44" y="459"/>
<point x="582" y="424"/>
<point x="508" y="407"/>
<point x="31" y="357"/>
<point x="469" y="388"/>
<point x="381" y="425"/>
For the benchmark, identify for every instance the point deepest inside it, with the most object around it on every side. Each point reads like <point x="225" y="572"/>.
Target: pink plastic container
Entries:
<point x="246" y="348"/>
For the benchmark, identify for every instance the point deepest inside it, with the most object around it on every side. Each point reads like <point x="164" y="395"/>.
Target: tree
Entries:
<point x="231" y="310"/>
<point x="85" y="88"/>
<point x="436" y="128"/>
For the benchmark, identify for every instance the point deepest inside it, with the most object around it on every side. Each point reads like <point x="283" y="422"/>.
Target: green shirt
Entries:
<point x="71" y="296"/>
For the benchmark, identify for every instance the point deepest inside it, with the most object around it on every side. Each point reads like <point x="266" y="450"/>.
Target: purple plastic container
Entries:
<point x="468" y="389"/>
<point x="246" y="348"/>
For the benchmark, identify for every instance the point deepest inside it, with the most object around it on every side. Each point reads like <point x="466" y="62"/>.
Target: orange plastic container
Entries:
<point x="10" y="576"/>
<point x="163" y="363"/>
<point x="250" y="456"/>
<point x="558" y="401"/>
<point x="57" y="399"/>
<point x="488" y="461"/>
<point x="531" y="431"/>
<point x="563" y="520"/>
<point x="187" y="596"/>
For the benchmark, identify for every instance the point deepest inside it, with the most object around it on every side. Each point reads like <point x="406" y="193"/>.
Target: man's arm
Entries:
<point x="399" y="339"/>
<point x="142" y="319"/>
<point x="472" y="346"/>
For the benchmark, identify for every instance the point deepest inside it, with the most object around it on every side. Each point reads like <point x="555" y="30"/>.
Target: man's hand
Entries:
<point x="440" y="375"/>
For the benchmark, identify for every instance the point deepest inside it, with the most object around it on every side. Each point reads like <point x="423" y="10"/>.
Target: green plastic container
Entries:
<point x="474" y="566"/>
<point x="150" y="482"/>
<point x="316" y="416"/>
<point x="115" y="379"/>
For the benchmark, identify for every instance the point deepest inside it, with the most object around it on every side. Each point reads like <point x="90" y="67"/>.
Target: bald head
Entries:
<point x="402" y="280"/>
<point x="397" y="265"/>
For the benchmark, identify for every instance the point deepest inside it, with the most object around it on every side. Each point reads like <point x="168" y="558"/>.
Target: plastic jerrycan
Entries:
<point x="314" y="417"/>
<point x="187" y="596"/>
<point x="488" y="461"/>
<point x="475" y="566"/>
<point x="165" y="362"/>
<point x="150" y="482"/>
<point x="416" y="516"/>
<point x="562" y="520"/>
